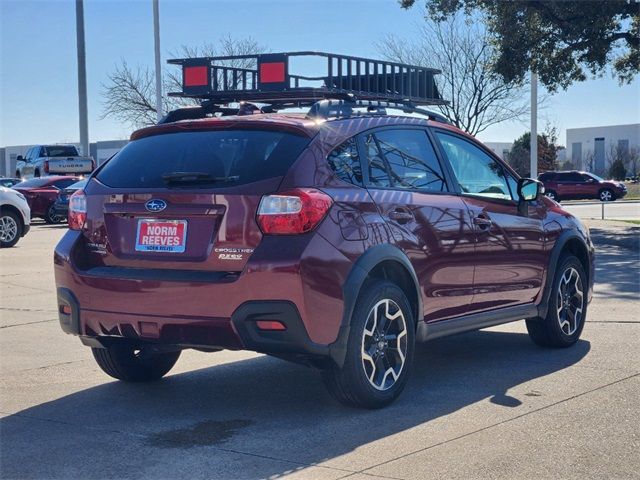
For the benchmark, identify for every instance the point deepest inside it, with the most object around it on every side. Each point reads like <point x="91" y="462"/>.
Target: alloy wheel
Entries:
<point x="570" y="301"/>
<point x="384" y="344"/>
<point x="8" y="229"/>
<point x="54" y="217"/>
<point x="606" y="196"/>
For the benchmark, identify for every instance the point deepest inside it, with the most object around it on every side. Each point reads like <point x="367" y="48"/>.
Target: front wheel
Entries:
<point x="10" y="229"/>
<point x="379" y="349"/>
<point x="567" y="310"/>
<point x="131" y="364"/>
<point x="607" y="195"/>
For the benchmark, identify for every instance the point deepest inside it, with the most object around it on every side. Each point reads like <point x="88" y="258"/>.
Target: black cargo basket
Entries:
<point x="222" y="81"/>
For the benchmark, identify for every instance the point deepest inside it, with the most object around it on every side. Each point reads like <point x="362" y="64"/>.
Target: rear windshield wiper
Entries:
<point x="191" y="178"/>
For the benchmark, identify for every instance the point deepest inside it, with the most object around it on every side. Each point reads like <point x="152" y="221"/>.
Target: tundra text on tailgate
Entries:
<point x="42" y="160"/>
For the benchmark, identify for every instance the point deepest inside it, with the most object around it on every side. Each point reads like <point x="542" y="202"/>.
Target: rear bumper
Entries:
<point x="199" y="309"/>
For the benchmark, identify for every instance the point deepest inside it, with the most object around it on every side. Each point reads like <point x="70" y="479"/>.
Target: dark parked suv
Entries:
<point x="574" y="185"/>
<point x="337" y="238"/>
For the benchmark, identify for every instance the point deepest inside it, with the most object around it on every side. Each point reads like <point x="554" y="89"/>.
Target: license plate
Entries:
<point x="164" y="236"/>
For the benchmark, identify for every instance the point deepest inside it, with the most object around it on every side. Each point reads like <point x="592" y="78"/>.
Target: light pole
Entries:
<point x="82" y="79"/>
<point x="534" y="126"/>
<point x="156" y="41"/>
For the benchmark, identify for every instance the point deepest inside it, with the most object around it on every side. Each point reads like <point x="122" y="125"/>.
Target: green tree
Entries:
<point x="563" y="41"/>
<point x="617" y="171"/>
<point x="520" y="154"/>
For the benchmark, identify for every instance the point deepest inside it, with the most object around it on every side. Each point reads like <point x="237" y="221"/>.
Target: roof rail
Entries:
<point x="345" y="108"/>
<point x="271" y="81"/>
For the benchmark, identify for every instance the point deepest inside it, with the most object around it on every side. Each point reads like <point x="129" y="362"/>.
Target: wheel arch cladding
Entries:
<point x="386" y="262"/>
<point x="572" y="243"/>
<point x="379" y="262"/>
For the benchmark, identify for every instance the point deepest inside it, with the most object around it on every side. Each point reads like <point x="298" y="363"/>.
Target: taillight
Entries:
<point x="77" y="210"/>
<point x="46" y="166"/>
<point x="293" y="211"/>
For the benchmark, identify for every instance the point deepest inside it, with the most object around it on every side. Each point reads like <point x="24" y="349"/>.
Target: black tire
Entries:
<point x="548" y="331"/>
<point x="552" y="195"/>
<point x="133" y="365"/>
<point x="606" y="195"/>
<point x="350" y="384"/>
<point x="36" y="174"/>
<point x="18" y="174"/>
<point x="10" y="228"/>
<point x="52" y="217"/>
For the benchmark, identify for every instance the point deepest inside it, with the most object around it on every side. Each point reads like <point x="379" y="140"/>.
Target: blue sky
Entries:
<point x="38" y="90"/>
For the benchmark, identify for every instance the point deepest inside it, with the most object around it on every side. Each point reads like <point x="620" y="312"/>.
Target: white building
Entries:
<point x="592" y="148"/>
<point x="501" y="149"/>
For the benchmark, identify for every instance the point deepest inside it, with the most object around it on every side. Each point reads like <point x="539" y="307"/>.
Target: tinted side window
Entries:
<point x="404" y="159"/>
<point x="345" y="162"/>
<point x="64" y="183"/>
<point x="378" y="168"/>
<point x="570" y="177"/>
<point x="476" y="172"/>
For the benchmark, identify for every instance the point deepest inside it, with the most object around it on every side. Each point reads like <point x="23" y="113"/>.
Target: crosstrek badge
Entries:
<point x="161" y="236"/>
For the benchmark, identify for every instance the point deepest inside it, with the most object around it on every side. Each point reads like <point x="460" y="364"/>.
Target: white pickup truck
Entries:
<point x="43" y="160"/>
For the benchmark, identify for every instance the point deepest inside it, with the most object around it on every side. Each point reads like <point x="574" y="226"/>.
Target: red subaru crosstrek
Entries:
<point x="338" y="238"/>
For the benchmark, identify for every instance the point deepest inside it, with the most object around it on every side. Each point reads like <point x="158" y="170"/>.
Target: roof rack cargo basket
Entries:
<point x="269" y="79"/>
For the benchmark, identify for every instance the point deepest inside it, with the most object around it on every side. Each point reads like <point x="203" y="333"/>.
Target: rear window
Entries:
<point x="60" y="151"/>
<point x="33" y="183"/>
<point x="231" y="157"/>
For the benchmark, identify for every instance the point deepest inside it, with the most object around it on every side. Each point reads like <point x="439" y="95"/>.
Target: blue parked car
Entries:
<point x="61" y="205"/>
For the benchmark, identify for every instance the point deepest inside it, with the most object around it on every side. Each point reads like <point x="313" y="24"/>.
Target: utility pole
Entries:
<point x="534" y="126"/>
<point x="82" y="79"/>
<point x="156" y="41"/>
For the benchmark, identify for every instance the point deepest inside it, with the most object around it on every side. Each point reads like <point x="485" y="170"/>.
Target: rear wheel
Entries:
<point x="52" y="217"/>
<point x="606" y="195"/>
<point x="134" y="364"/>
<point x="10" y="229"/>
<point x="379" y="349"/>
<point x="567" y="307"/>
<point x="552" y="195"/>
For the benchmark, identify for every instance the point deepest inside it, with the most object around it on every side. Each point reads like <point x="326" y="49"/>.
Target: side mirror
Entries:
<point x="529" y="189"/>
<point x="19" y="158"/>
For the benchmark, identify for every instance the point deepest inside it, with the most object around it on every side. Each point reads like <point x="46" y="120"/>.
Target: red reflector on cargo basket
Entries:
<point x="270" y="325"/>
<point x="195" y="76"/>
<point x="272" y="72"/>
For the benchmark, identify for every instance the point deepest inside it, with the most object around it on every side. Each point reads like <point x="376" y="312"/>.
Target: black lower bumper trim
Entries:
<point x="70" y="323"/>
<point x="292" y="340"/>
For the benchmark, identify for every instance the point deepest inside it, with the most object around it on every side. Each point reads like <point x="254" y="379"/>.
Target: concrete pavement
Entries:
<point x="487" y="404"/>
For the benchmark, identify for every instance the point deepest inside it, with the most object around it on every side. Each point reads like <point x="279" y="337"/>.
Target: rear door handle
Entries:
<point x="483" y="222"/>
<point x="400" y="215"/>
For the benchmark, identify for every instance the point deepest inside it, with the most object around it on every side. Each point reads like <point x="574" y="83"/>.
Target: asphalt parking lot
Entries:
<point x="487" y="404"/>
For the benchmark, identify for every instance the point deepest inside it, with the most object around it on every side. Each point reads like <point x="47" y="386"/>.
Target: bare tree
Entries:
<point x="590" y="160"/>
<point x="129" y="92"/>
<point x="461" y="49"/>
<point x="634" y="160"/>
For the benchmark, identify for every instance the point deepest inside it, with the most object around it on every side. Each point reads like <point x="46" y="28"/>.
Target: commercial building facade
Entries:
<point x="594" y="148"/>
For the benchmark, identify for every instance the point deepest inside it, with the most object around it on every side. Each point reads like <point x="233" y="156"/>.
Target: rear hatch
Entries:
<point x="185" y="201"/>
